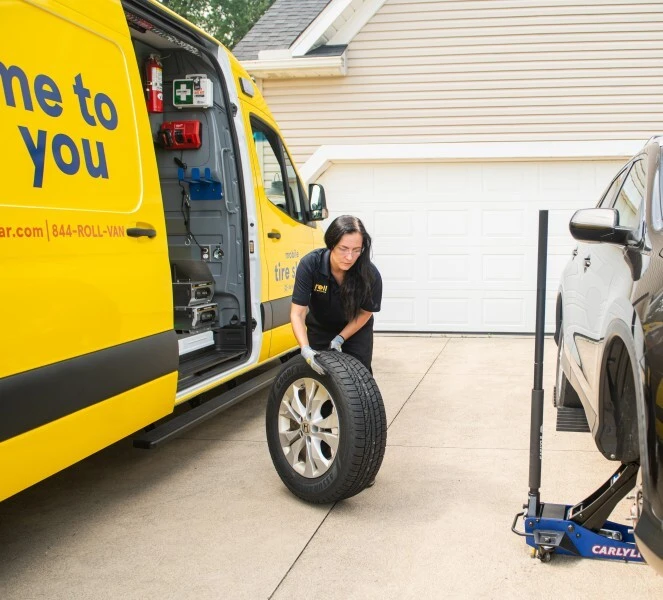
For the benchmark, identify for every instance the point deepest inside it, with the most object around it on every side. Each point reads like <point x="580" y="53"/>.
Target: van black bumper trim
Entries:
<point x="39" y="396"/>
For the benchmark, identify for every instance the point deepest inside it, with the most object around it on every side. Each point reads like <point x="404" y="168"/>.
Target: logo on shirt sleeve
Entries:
<point x="321" y="289"/>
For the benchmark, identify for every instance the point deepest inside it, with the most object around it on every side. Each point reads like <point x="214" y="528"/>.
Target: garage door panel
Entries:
<point x="566" y="177"/>
<point x="502" y="313"/>
<point x="456" y="243"/>
<point x="395" y="223"/>
<point x="449" y="267"/>
<point x="502" y="223"/>
<point x="450" y="313"/>
<point x="451" y="179"/>
<point x="399" y="314"/>
<point x="409" y="178"/>
<point x="507" y="180"/>
<point x="396" y="268"/>
<point x="448" y="224"/>
<point x="503" y="267"/>
<point x="353" y="179"/>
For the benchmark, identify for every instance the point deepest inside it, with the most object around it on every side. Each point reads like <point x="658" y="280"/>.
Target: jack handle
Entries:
<point x="513" y="526"/>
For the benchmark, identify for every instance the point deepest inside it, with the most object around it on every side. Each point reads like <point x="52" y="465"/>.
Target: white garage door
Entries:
<point x="456" y="243"/>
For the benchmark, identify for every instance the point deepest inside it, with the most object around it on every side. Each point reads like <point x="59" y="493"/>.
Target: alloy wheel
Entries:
<point x="308" y="427"/>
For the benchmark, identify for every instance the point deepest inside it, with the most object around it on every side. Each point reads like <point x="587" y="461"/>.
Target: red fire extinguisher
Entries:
<point x="154" y="87"/>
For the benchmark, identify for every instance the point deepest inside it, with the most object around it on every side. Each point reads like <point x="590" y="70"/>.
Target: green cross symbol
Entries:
<point x="183" y="92"/>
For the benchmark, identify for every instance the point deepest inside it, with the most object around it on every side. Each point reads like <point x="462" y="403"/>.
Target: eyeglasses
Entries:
<point x="345" y="251"/>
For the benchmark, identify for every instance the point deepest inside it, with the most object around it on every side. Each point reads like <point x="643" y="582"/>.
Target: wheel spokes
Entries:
<point x="319" y="462"/>
<point x="331" y="439"/>
<point x="309" y="466"/>
<point x="293" y="453"/>
<point x="288" y="412"/>
<point x="296" y="401"/>
<point x="329" y="422"/>
<point x="315" y="398"/>
<point x="288" y="436"/>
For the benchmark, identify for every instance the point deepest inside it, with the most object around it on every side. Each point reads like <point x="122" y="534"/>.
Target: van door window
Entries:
<point x="270" y="171"/>
<point x="282" y="186"/>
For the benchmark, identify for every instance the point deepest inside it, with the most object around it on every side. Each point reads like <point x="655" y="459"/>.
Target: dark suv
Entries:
<point x="610" y="332"/>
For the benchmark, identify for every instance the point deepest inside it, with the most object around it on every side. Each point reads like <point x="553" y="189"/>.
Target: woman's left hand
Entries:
<point x="336" y="343"/>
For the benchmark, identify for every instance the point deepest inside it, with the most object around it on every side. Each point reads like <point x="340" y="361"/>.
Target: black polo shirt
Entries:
<point x="316" y="288"/>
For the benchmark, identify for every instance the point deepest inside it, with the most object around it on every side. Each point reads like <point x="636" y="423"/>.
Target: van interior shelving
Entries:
<point x="202" y="203"/>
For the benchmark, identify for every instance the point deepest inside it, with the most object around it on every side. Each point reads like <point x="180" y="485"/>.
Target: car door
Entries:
<point x="606" y="282"/>
<point x="286" y="237"/>
<point x="587" y="279"/>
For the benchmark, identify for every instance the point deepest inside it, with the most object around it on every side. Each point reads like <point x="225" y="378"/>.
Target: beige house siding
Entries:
<point x="433" y="71"/>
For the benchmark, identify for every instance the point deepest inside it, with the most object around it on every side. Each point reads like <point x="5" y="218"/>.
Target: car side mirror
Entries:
<point x="317" y="202"/>
<point x="598" y="225"/>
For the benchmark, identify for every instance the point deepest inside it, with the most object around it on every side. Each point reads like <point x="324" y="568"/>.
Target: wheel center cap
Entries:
<point x="306" y="427"/>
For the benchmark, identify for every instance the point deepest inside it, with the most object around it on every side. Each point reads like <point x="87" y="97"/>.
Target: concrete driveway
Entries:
<point x="206" y="516"/>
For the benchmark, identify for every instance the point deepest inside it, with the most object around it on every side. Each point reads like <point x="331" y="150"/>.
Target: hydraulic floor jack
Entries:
<point x="575" y="530"/>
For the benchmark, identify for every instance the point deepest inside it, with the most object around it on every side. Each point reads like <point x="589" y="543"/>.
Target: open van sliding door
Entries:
<point x="89" y="353"/>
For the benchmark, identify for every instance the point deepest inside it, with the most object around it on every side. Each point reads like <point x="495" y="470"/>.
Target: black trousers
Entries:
<point x="360" y="345"/>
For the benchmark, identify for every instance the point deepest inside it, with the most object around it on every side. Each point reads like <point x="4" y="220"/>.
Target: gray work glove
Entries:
<point x="309" y="356"/>
<point x="336" y="343"/>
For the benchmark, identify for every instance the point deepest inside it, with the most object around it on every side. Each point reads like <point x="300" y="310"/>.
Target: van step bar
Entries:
<point x="178" y="425"/>
<point x="572" y="419"/>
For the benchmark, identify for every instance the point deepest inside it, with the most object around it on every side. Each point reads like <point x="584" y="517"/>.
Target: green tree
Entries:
<point x="227" y="20"/>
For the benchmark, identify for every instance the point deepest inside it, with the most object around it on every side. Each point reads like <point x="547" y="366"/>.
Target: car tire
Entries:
<point x="564" y="396"/>
<point x="326" y="434"/>
<point x="617" y="436"/>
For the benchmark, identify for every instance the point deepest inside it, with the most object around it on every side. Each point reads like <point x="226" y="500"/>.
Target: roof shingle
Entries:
<point x="279" y="27"/>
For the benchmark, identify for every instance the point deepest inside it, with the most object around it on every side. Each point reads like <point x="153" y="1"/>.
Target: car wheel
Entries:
<point x="617" y="436"/>
<point x="563" y="394"/>
<point x="326" y="433"/>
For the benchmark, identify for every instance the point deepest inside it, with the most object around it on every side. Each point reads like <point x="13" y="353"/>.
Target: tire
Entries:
<point x="618" y="437"/>
<point x="326" y="434"/>
<point x="564" y="396"/>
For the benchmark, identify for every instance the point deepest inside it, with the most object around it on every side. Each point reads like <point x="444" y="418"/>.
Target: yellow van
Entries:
<point x="151" y="223"/>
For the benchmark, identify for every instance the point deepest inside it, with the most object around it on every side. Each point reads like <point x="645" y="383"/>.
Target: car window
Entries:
<point x="609" y="196"/>
<point x="629" y="200"/>
<point x="282" y="186"/>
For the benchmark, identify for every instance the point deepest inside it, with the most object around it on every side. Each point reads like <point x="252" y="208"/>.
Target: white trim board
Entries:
<point x="318" y="28"/>
<point x="327" y="155"/>
<point x="363" y="15"/>
<point x="309" y="37"/>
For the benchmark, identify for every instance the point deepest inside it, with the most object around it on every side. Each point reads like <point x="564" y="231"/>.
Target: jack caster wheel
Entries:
<point x="544" y="556"/>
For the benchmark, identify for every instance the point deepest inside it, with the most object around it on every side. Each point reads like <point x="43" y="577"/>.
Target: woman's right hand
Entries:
<point x="309" y="356"/>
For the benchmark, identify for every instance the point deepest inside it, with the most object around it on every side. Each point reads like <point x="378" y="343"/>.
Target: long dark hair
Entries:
<point x="358" y="280"/>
